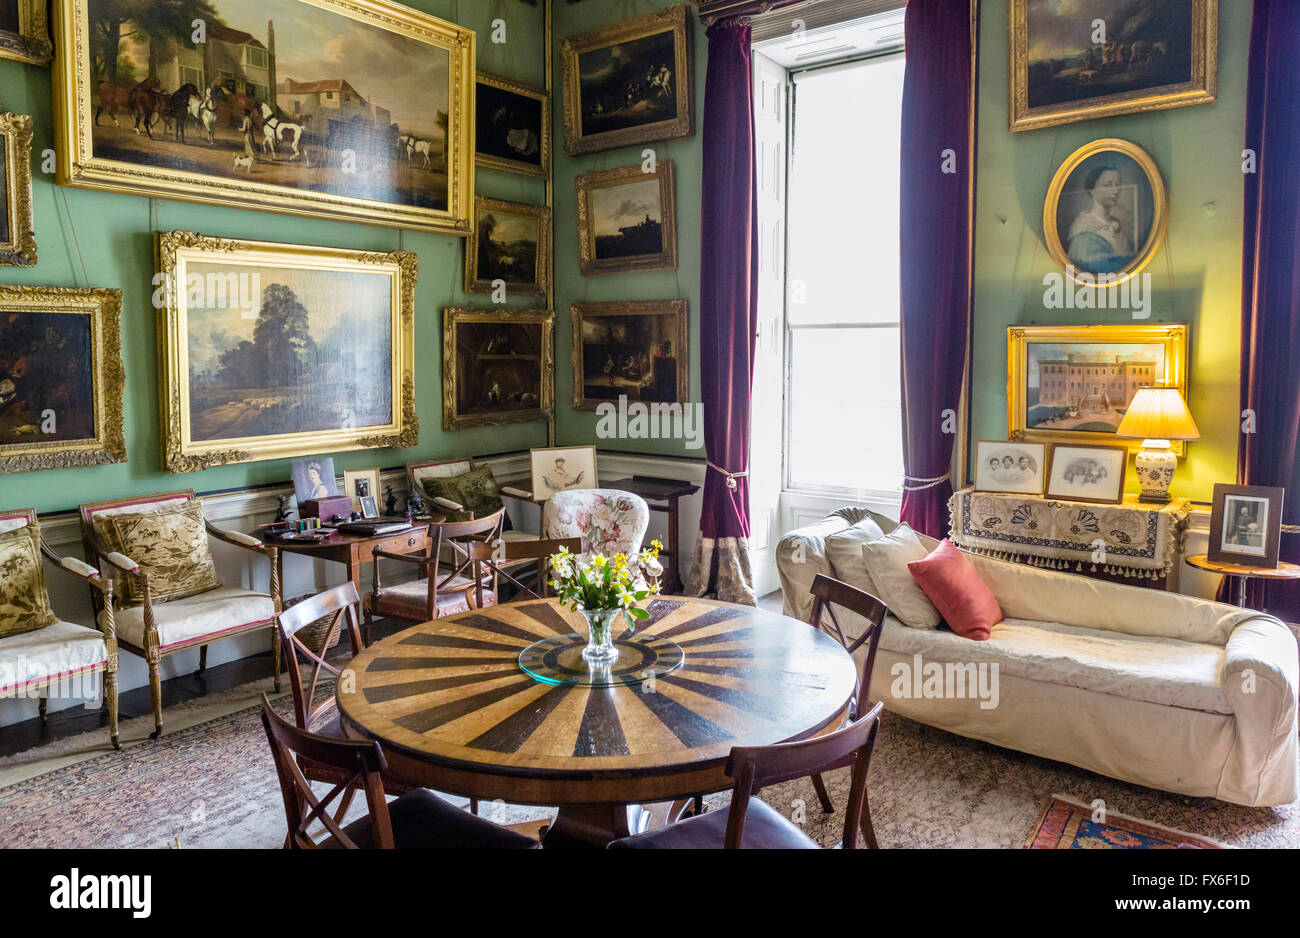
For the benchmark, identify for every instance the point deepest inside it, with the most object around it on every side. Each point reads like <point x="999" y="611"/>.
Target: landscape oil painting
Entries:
<point x="510" y="245"/>
<point x="1079" y="61"/>
<point x="627" y="219"/>
<point x="278" y="350"/>
<point x="356" y="109"/>
<point x="498" y="367"/>
<point x="633" y="349"/>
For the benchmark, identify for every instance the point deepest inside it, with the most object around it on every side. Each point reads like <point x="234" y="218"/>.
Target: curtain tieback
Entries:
<point x="731" y="476"/>
<point x="923" y="484"/>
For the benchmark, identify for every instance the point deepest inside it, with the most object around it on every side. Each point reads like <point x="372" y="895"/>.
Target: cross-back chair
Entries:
<point x="493" y="562"/>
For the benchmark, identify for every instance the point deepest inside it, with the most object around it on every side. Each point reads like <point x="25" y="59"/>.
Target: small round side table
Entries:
<point x="1241" y="573"/>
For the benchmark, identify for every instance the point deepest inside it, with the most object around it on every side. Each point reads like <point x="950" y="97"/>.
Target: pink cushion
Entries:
<point x="953" y="585"/>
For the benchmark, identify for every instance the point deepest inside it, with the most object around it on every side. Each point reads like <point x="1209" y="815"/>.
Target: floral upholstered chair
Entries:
<point x="609" y="521"/>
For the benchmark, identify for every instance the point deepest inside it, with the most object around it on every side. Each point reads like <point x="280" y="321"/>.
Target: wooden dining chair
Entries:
<point x="752" y="823"/>
<point x="493" y="562"/>
<point x="828" y="593"/>
<point x="418" y="819"/>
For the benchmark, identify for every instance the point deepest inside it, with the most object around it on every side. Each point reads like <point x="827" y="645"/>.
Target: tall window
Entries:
<point x="843" y="414"/>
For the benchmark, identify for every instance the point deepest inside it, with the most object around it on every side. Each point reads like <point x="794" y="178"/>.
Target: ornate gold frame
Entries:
<point x="1173" y="336"/>
<point x="1159" y="195"/>
<point x="578" y="312"/>
<point x="586" y="183"/>
<point x="78" y="166"/>
<point x="104" y="307"/>
<point x="31" y="44"/>
<point x="1202" y="89"/>
<point x="543" y="215"/>
<point x="487" y="161"/>
<point x="183" y="454"/>
<point x="452" y="316"/>
<point x="683" y="125"/>
<point x="16" y="141"/>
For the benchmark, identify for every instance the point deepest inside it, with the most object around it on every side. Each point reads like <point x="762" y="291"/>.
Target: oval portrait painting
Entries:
<point x="1105" y="212"/>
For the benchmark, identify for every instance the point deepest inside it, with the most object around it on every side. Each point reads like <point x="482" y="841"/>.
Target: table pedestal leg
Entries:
<point x="1240" y="590"/>
<point x="589" y="825"/>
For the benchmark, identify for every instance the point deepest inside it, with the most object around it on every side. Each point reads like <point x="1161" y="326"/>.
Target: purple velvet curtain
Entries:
<point x="1270" y="288"/>
<point x="937" y="173"/>
<point x="728" y="313"/>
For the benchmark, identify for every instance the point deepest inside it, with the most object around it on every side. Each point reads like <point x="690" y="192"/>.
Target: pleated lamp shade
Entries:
<point x="1158" y="414"/>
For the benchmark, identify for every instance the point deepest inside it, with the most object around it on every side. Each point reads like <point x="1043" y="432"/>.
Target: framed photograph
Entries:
<point x="1019" y="468"/>
<point x="1150" y="56"/>
<point x="1073" y="384"/>
<point x="278" y="350"/>
<point x="314" y="478"/>
<point x="627" y="220"/>
<point x="498" y="366"/>
<point x="1246" y="525"/>
<point x="1087" y="473"/>
<point x="511" y="243"/>
<point x="1105" y="212"/>
<point x="561" y="468"/>
<point x="24" y="32"/>
<point x="17" y="231"/>
<point x="629" y="83"/>
<point x="633" y="349"/>
<point x="61" y="378"/>
<point x="355" y="110"/>
<point x="369" y="506"/>
<point x="513" y="127"/>
<point x="359" y="484"/>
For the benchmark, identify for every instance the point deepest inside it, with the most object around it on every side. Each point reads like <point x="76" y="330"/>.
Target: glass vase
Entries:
<point x="600" y="635"/>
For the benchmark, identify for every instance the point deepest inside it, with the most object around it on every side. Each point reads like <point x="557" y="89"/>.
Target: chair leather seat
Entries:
<point x="423" y="821"/>
<point x="765" y="829"/>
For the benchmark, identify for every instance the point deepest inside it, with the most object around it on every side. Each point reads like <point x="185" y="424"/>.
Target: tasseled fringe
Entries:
<point x="1064" y="563"/>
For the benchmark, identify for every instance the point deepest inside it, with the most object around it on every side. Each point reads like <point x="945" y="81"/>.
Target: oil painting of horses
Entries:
<point x="1077" y="62"/>
<point x="277" y="104"/>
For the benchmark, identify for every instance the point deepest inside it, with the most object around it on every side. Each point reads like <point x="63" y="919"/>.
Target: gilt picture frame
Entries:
<point x="66" y="410"/>
<point x="512" y="127"/>
<point x="260" y="115"/>
<point x="637" y="348"/>
<point x="498" y="366"/>
<point x="25" y="32"/>
<point x="17" y="227"/>
<point x="269" y="351"/>
<point x="511" y="243"/>
<point x="627" y="219"/>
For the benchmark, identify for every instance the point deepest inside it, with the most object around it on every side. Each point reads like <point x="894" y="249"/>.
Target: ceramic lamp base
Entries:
<point x="1155" y="464"/>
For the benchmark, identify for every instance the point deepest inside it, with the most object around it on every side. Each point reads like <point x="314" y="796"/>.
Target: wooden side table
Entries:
<point x="660" y="495"/>
<point x="1241" y="573"/>
<point x="356" y="550"/>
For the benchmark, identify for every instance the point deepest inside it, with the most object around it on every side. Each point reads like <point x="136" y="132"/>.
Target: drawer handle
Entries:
<point x="410" y="542"/>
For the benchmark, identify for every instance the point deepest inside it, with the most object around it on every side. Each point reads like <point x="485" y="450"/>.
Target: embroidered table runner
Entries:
<point x="1131" y="539"/>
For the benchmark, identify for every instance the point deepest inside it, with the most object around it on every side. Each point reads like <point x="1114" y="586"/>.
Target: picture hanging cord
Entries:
<point x="85" y="275"/>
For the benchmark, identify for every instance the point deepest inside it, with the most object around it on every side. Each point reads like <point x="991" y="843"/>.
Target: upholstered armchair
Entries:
<point x="609" y="521"/>
<point x="37" y="657"/>
<point x="168" y="597"/>
<point x="417" y="473"/>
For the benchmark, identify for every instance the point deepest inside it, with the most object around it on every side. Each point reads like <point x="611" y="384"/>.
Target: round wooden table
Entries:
<point x="1242" y="572"/>
<point x="454" y="711"/>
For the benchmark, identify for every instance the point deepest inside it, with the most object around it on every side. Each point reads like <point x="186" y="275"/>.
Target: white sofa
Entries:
<point x="1157" y="688"/>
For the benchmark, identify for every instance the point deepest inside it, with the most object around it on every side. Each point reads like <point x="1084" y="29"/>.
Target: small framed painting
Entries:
<point x="1087" y="473"/>
<point x="314" y="478"/>
<point x="360" y="484"/>
<point x="498" y="366"/>
<point x="633" y="349"/>
<point x="561" y="468"/>
<point x="513" y="130"/>
<point x="1246" y="525"/>
<point x="510" y="244"/>
<point x="1017" y="468"/>
<point x="627" y="220"/>
<point x="24" y="32"/>
<point x="17" y="232"/>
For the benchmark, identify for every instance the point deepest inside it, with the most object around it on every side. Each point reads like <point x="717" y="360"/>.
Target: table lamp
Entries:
<point x="1157" y="416"/>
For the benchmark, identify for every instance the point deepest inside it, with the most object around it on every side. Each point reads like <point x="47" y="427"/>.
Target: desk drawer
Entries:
<point x="408" y="542"/>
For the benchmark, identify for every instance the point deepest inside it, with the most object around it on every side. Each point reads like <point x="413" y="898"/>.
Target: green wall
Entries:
<point x="1196" y="274"/>
<point x="98" y="239"/>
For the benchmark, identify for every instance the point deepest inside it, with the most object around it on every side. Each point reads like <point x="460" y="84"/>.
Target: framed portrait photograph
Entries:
<point x="631" y="349"/>
<point x="561" y="468"/>
<point x="24" y="32"/>
<point x="1087" y="473"/>
<point x="629" y="83"/>
<point x="627" y="220"/>
<point x="1246" y="525"/>
<point x="17" y="231"/>
<point x="314" y="478"/>
<point x="1073" y="384"/>
<point x="1018" y="468"/>
<point x="1150" y="56"/>
<point x="61" y="378"/>
<point x="498" y="366"/>
<point x="369" y="506"/>
<point x="355" y="110"/>
<point x="1106" y="211"/>
<point x="359" y="484"/>
<point x="511" y="243"/>
<point x="278" y="350"/>
<point x="513" y="127"/>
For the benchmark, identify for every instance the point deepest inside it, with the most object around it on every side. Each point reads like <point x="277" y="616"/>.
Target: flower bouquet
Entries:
<point x="602" y="589"/>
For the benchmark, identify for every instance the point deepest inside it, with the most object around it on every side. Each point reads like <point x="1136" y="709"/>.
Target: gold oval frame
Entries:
<point x="1160" y="197"/>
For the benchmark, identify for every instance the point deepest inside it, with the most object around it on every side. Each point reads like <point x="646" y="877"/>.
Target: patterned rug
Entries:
<point x="1067" y="825"/>
<point x="212" y="784"/>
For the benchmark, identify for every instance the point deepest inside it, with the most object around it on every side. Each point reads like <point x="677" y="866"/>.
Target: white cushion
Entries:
<point x="844" y="551"/>
<point x="887" y="559"/>
<point x="441" y="470"/>
<point x="12" y="524"/>
<point x="62" y="649"/>
<point x="141" y="506"/>
<point x="1165" y="671"/>
<point x="210" y="613"/>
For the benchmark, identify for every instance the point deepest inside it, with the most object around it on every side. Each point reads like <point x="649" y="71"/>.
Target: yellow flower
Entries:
<point x="598" y="561"/>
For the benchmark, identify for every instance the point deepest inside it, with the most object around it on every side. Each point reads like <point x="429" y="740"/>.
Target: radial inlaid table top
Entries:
<point x="453" y="709"/>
